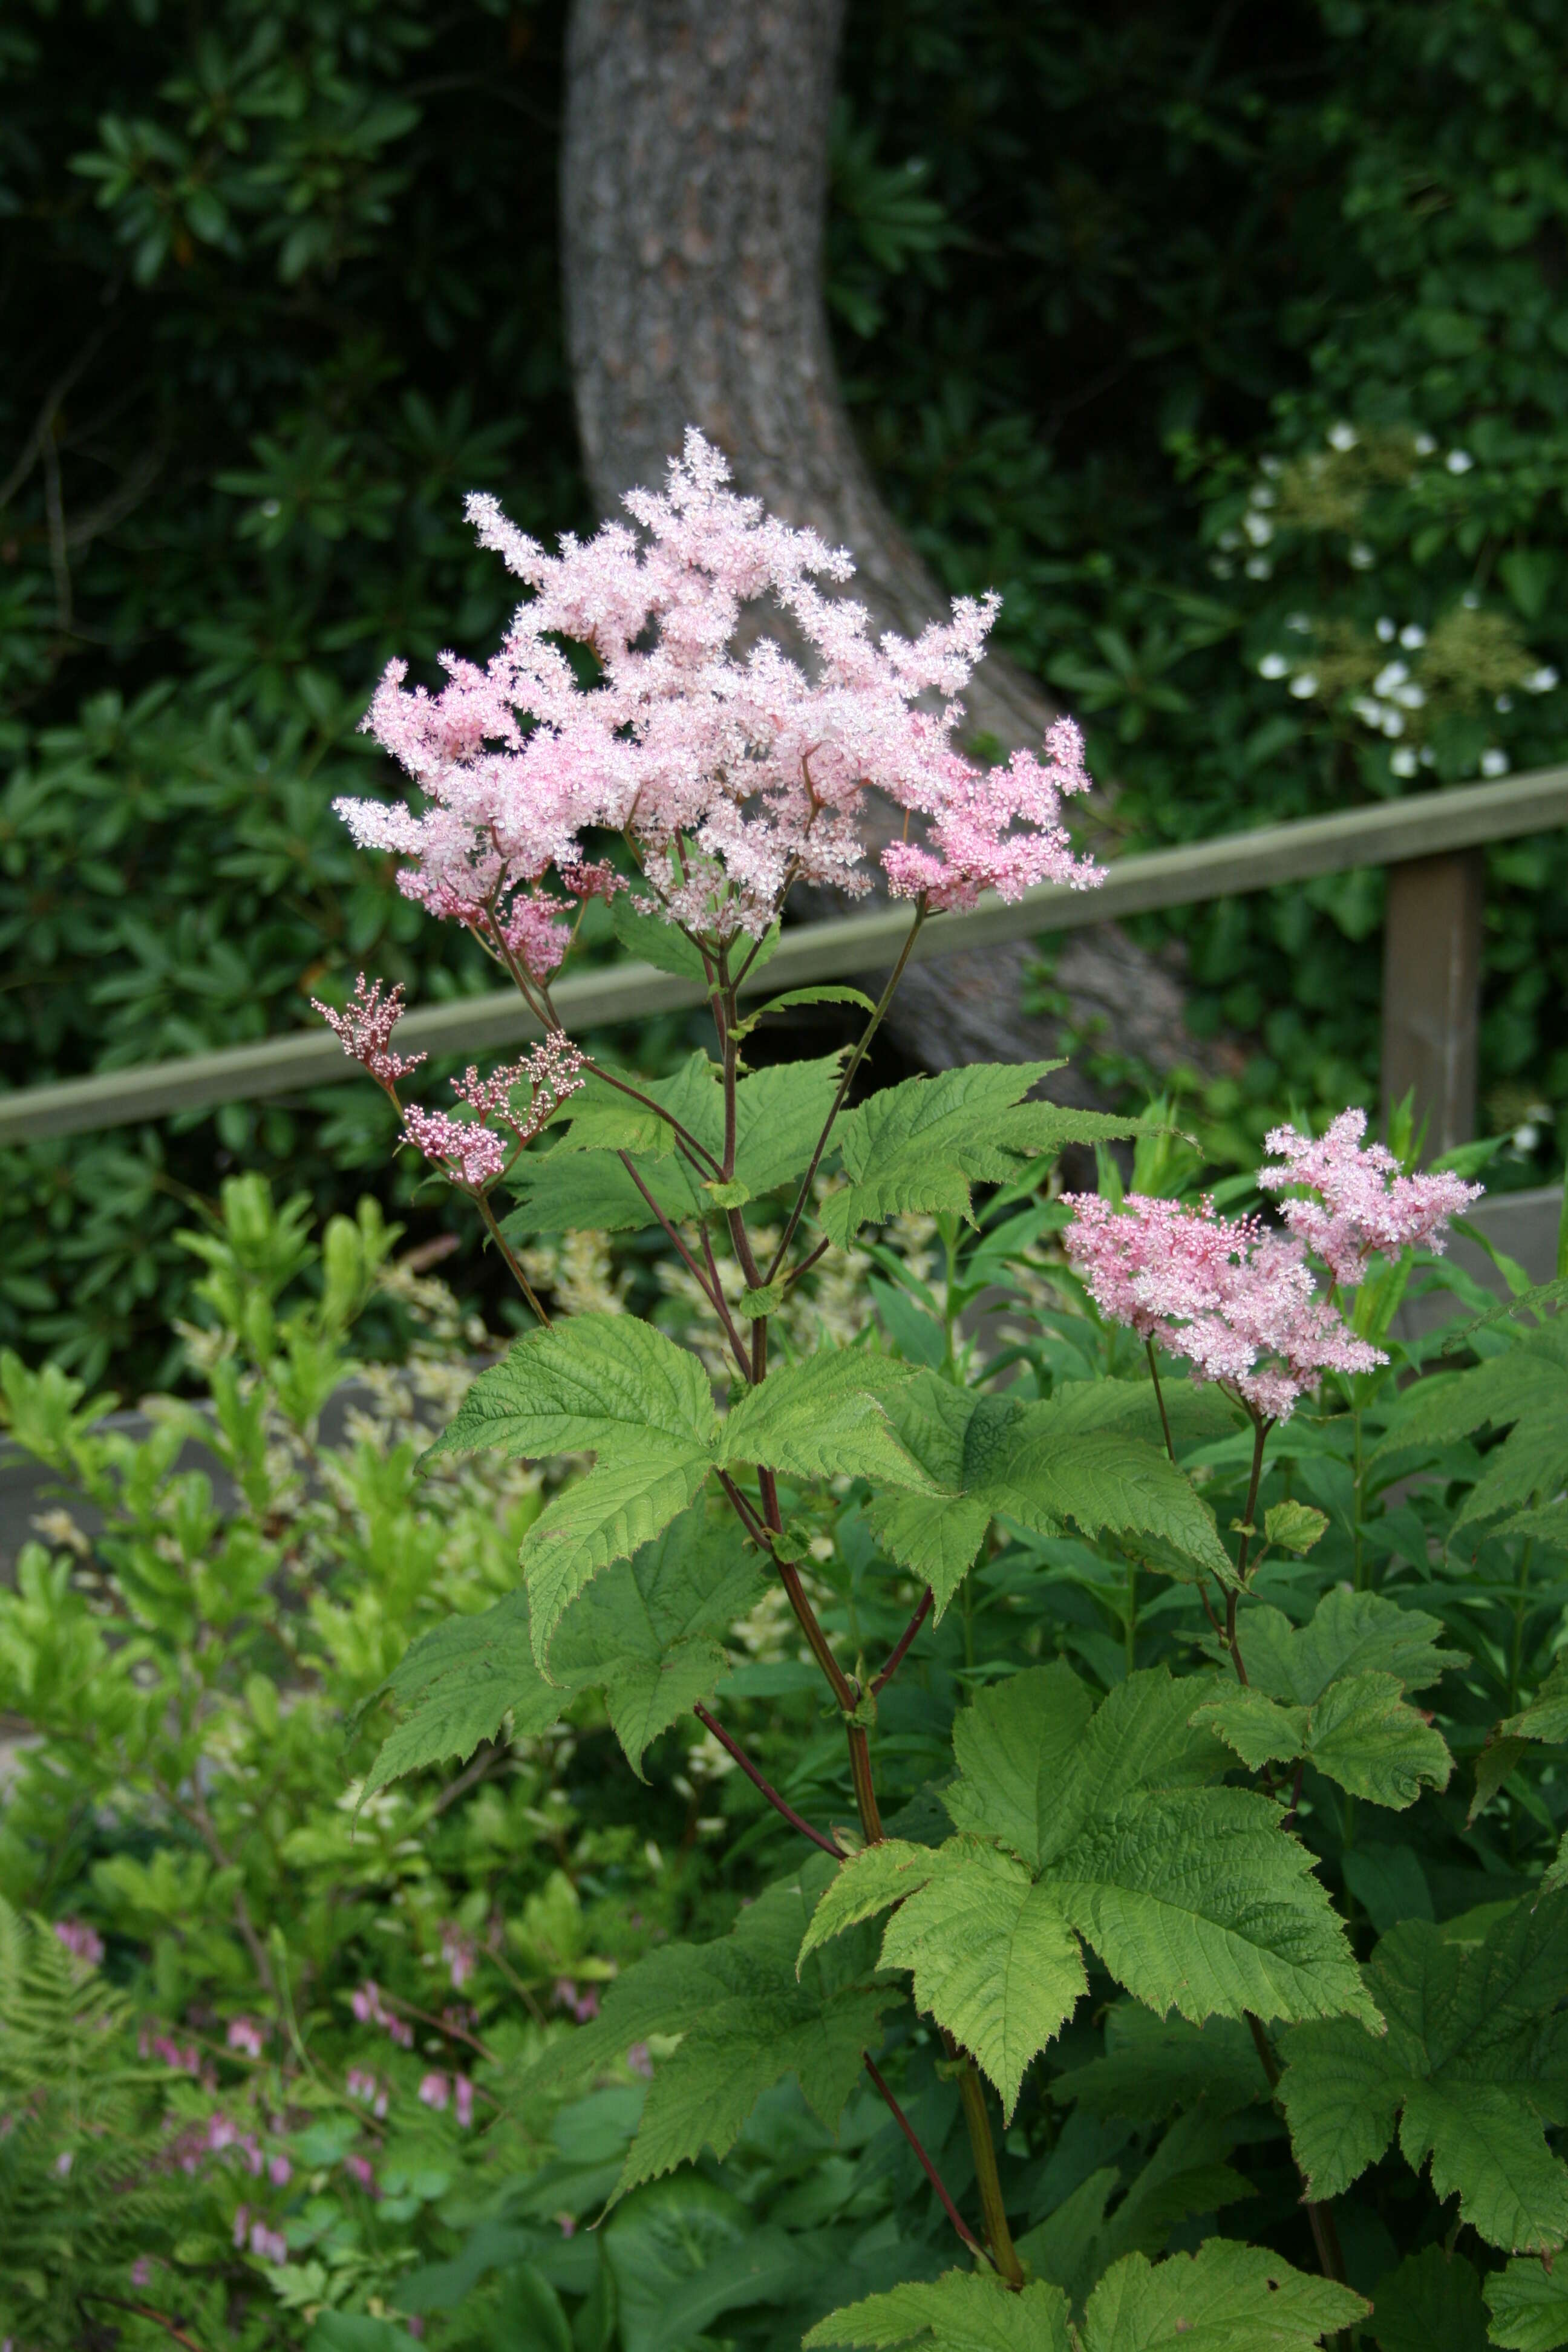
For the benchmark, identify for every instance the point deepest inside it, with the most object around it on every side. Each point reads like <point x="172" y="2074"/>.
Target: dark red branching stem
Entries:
<point x="897" y="1658"/>
<point x="927" y="2167"/>
<point x="732" y="1748"/>
<point x="1290" y="1821"/>
<point x="142" y="2311"/>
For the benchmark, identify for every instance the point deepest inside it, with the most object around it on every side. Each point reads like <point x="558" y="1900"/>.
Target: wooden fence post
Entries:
<point x="1431" y="993"/>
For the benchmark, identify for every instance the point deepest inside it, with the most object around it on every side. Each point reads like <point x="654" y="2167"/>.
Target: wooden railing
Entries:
<point x="1432" y="844"/>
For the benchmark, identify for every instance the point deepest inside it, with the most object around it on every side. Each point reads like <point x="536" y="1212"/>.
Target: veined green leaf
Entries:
<point x="823" y="1418"/>
<point x="1532" y="1460"/>
<point x="604" y="1119"/>
<point x="626" y="1500"/>
<point x="1225" y="2298"/>
<point x="1531" y="1377"/>
<point x="1431" y="2302"/>
<point x="1107" y="1480"/>
<point x="1185" y="2174"/>
<point x="457" y="1682"/>
<point x="1546" y="1716"/>
<point x="1475" y="2058"/>
<point x="1012" y="1748"/>
<point x="962" y="2311"/>
<point x="792" y="996"/>
<point x="780" y="1112"/>
<point x="1529" y="2305"/>
<point x="654" y="941"/>
<point x="921" y="1145"/>
<point x="1362" y="1732"/>
<point x="746" y="2022"/>
<point x="1152" y="2066"/>
<point x="1349" y="1634"/>
<point x="592" y="1192"/>
<point x="597" y="1381"/>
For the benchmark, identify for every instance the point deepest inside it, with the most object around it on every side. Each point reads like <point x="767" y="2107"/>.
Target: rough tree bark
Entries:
<point x="694" y="181"/>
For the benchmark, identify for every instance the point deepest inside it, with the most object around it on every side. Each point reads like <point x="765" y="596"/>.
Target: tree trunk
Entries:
<point x="694" y="185"/>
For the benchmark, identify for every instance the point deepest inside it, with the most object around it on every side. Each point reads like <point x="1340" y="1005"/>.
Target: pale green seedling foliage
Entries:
<point x="962" y="2311"/>
<point x="1474" y="2063"/>
<point x="920" y="1147"/>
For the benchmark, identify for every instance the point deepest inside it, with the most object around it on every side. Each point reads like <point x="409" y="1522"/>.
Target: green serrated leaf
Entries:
<point x="1362" y="1732"/>
<point x="1475" y="2056"/>
<point x="598" y="1382"/>
<point x="626" y="1500"/>
<point x="654" y="941"/>
<point x="1546" y="1716"/>
<point x="1349" y="1633"/>
<point x="746" y="2022"/>
<point x="780" y="1113"/>
<point x="602" y="1118"/>
<point x="962" y="2311"/>
<point x="823" y="1418"/>
<point x="920" y="1147"/>
<point x="1191" y="1894"/>
<point x="1185" y="2175"/>
<point x="792" y="996"/>
<point x="733" y="1195"/>
<point x="1529" y="2307"/>
<point x="592" y="1192"/>
<point x="1152" y="2066"/>
<point x="457" y="1685"/>
<point x="1225" y="2298"/>
<point x="1295" y="1526"/>
<point x="1528" y="1379"/>
<point x="1430" y="2303"/>
<point x="765" y="1300"/>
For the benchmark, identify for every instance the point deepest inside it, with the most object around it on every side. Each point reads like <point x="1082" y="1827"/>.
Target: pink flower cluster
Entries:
<point x="471" y="1151"/>
<point x="438" y="2090"/>
<point x="360" y="2084"/>
<point x="582" y="2005"/>
<point x="370" y="2008"/>
<point x="246" y="2036"/>
<point x="268" y="2244"/>
<point x="461" y="1954"/>
<point x="731" y="773"/>
<point x="1363" y="1201"/>
<point x="1237" y="1302"/>
<point x="365" y="1026"/>
<point x="83" y="1942"/>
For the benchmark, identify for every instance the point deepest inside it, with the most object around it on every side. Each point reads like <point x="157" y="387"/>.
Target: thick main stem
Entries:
<point x="987" y="2178"/>
<point x="732" y="1748"/>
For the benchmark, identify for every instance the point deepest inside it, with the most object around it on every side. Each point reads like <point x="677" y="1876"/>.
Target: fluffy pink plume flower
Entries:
<point x="83" y="1942"/>
<point x="1364" y="1201"/>
<point x="365" y="1026"/>
<point x="470" y="1151"/>
<point x="1237" y="1302"/>
<point x="732" y="773"/>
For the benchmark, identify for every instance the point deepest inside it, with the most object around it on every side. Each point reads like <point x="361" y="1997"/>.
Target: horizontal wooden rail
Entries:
<point x="1422" y="826"/>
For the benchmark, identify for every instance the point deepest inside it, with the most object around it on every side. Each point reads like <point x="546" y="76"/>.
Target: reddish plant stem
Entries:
<point x="732" y="1748"/>
<point x="927" y="2167"/>
<point x="896" y="1658"/>
<point x="711" y="1291"/>
<point x="1160" y="1399"/>
<point x="1262" y="1427"/>
<point x="142" y="2311"/>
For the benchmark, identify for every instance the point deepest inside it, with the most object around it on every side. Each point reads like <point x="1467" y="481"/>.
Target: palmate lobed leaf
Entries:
<point x="1529" y="2305"/>
<point x="1362" y="1733"/>
<point x="596" y="1382"/>
<point x="1531" y="1377"/>
<point x="643" y="1632"/>
<point x="962" y="2311"/>
<point x="625" y="1502"/>
<point x="1349" y="1633"/>
<point x="1105" y="1824"/>
<point x="825" y="1417"/>
<point x="920" y="1146"/>
<point x="1474" y="2062"/>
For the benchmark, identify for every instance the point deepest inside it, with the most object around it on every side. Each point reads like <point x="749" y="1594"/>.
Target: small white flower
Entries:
<point x="1391" y="674"/>
<point x="1221" y="566"/>
<point x="1412" y="634"/>
<point x="1368" y="712"/>
<point x="1386" y="630"/>
<point x="1526" y="1138"/>
<point x="1229" y="539"/>
<point x="1301" y="621"/>
<point x="1404" y="762"/>
<point x="1262" y="495"/>
<point x="1273" y="665"/>
<point x="1303" y="686"/>
<point x="1362" y="557"/>
<point x="1271" y="464"/>
<point x="1257" y="567"/>
<point x="1503" y="702"/>
<point x="1410" y="697"/>
<point x="1259" y="529"/>
<point x="1342" y="437"/>
<point x="1424" y="445"/>
<point x="1494" y="763"/>
<point x="1458" y="461"/>
<point x="1429" y="757"/>
<point x="1392" y="722"/>
<point x="1542" y="680"/>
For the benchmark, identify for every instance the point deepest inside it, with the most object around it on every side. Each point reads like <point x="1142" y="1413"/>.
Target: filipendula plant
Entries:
<point x="625" y="743"/>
